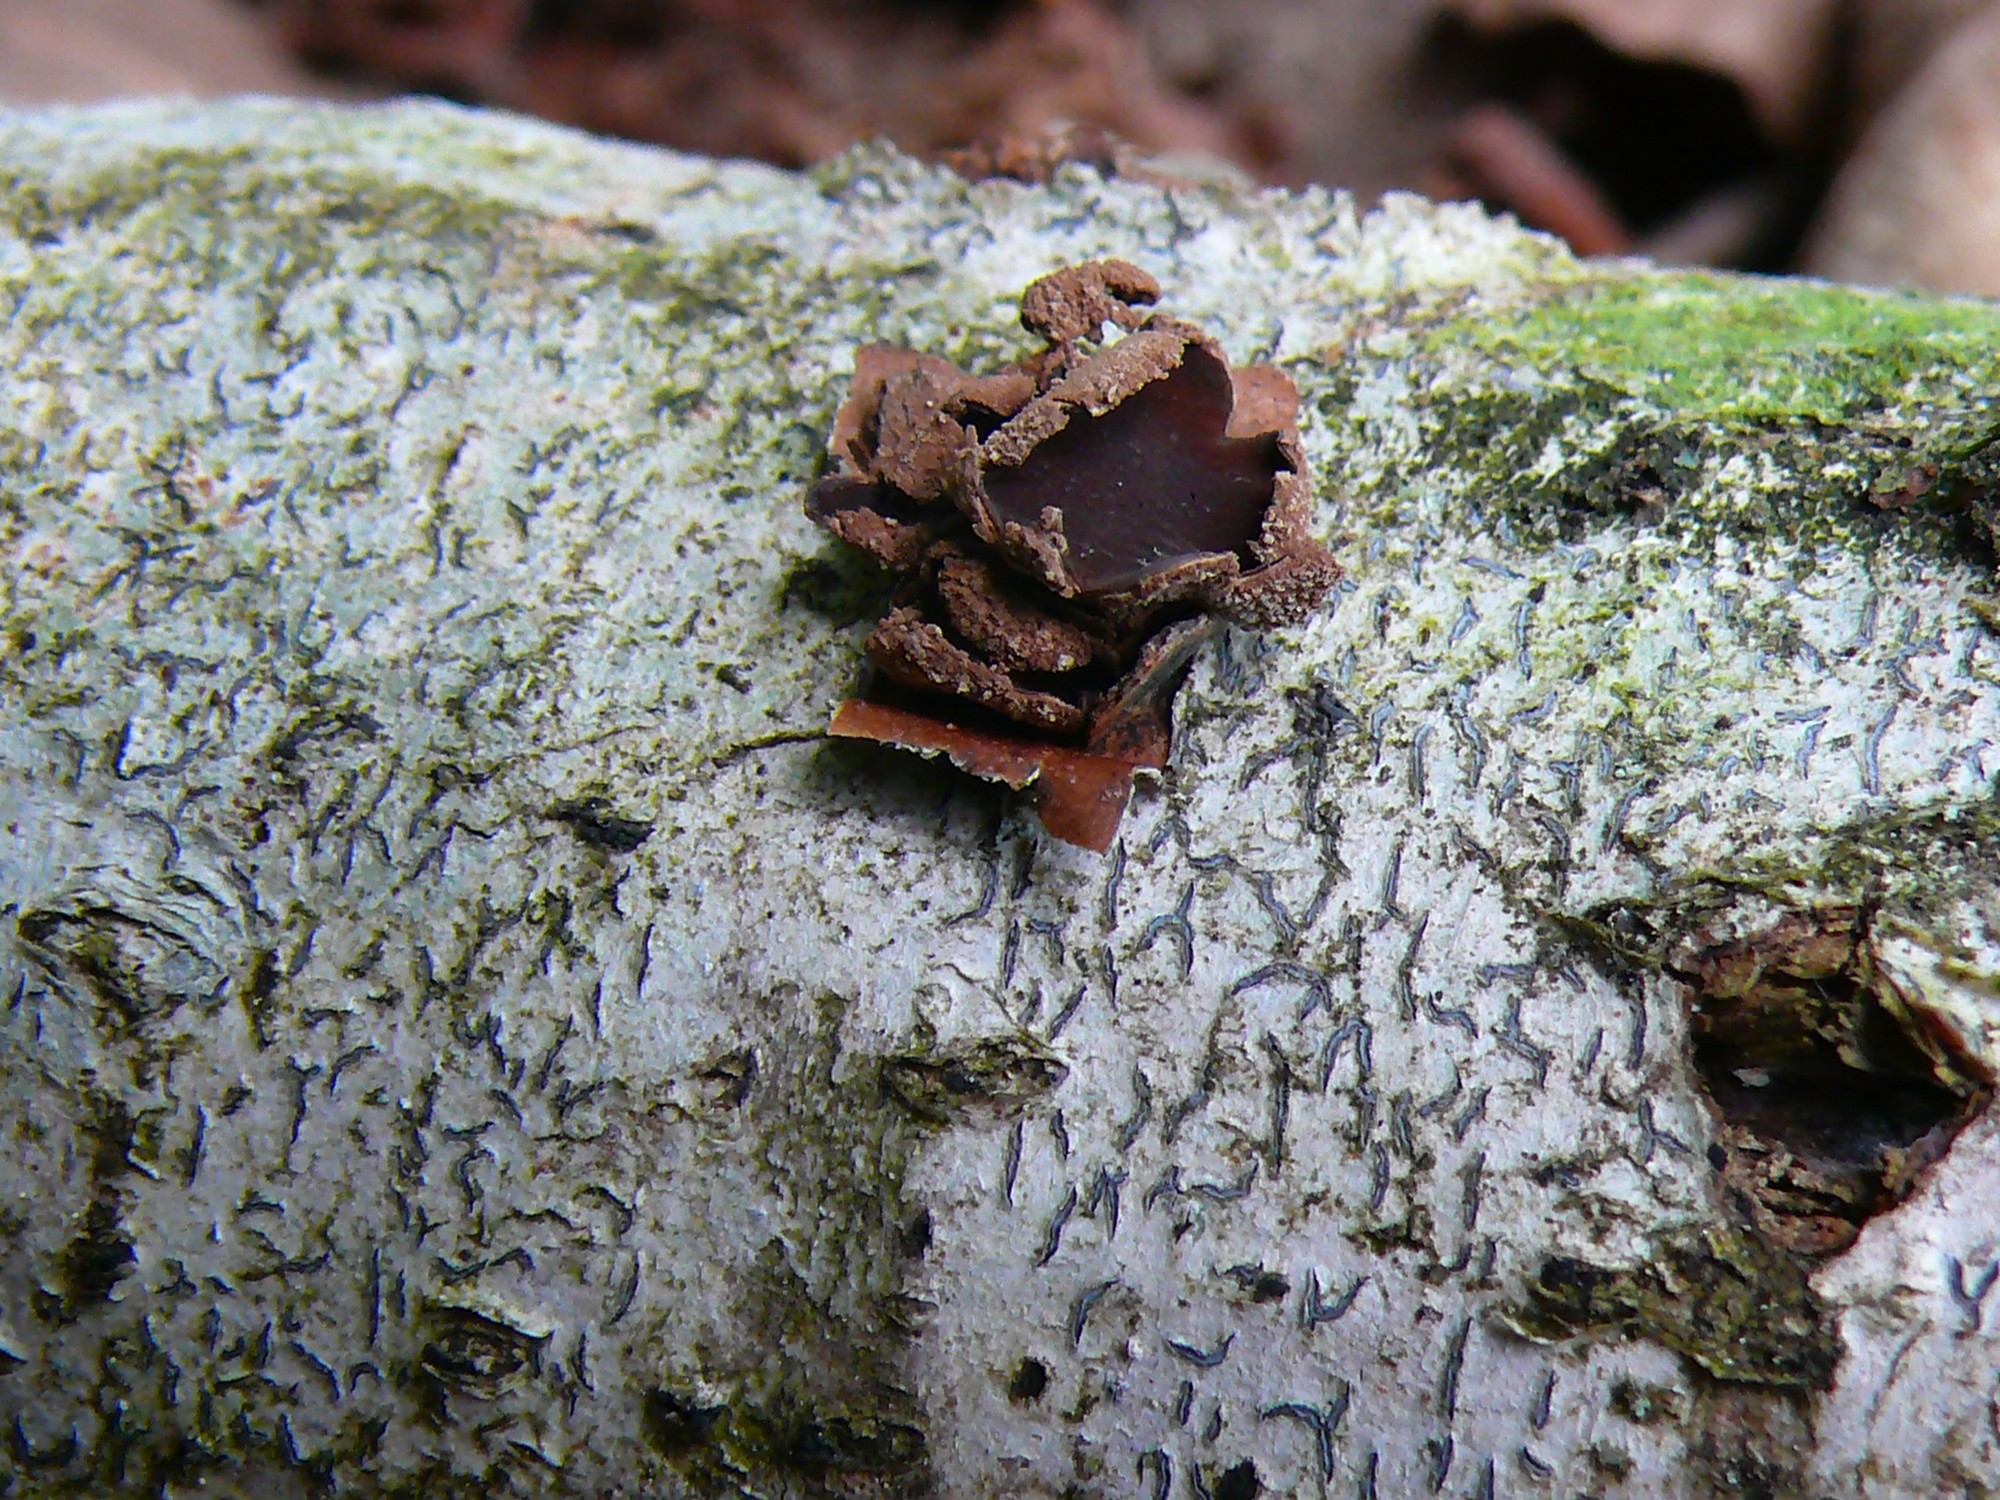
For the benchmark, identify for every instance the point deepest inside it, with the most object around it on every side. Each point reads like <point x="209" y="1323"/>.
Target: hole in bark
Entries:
<point x="1029" y="1381"/>
<point x="916" y="1236"/>
<point x="1239" y="1483"/>
<point x="1830" y="1089"/>
<point x="593" y="821"/>
<point x="676" y="1423"/>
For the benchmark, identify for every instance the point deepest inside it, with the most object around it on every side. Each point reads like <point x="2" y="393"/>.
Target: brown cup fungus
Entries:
<point x="1065" y="534"/>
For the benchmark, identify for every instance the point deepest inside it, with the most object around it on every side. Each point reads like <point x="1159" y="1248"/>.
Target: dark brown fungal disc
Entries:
<point x="1064" y="533"/>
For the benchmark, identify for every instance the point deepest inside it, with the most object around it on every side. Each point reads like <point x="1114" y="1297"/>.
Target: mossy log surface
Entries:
<point x="463" y="1030"/>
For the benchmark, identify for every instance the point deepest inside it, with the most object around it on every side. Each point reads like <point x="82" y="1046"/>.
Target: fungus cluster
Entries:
<point x="1065" y="533"/>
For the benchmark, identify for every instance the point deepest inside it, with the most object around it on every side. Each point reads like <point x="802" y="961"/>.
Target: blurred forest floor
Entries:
<point x="1858" y="139"/>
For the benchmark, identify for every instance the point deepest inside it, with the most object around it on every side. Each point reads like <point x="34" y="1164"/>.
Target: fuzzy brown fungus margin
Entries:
<point x="1065" y="533"/>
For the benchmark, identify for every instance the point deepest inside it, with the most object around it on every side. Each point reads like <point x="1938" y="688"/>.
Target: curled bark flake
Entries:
<point x="1064" y="532"/>
<point x="1080" y="797"/>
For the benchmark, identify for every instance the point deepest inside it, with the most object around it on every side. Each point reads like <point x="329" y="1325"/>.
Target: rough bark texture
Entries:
<point x="463" y="1030"/>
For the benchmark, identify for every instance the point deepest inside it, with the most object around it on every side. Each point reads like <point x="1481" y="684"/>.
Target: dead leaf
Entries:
<point x="1780" y="52"/>
<point x="1918" y="204"/>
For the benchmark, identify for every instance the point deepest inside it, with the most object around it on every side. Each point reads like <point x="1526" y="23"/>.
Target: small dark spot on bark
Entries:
<point x="841" y="1445"/>
<point x="1000" y="1075"/>
<point x="1610" y="1460"/>
<point x="1642" y="476"/>
<point x="322" y="724"/>
<point x="676" y="1423"/>
<point x="100" y="1254"/>
<point x="839" y="587"/>
<point x="96" y="1259"/>
<point x="592" y="820"/>
<point x="1647" y="1402"/>
<point x="916" y="1236"/>
<point x="726" y="1081"/>
<point x="1898" y="489"/>
<point x="476" y="1355"/>
<point x="1269" y="1286"/>
<point x="632" y="234"/>
<point x="1062" y="533"/>
<point x="1751" y="1444"/>
<point x="1031" y="1378"/>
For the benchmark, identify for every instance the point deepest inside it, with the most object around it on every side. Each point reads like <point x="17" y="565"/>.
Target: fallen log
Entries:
<point x="468" y="1030"/>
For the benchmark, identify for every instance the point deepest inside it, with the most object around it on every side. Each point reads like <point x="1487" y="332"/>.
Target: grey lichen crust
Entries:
<point x="466" y="1033"/>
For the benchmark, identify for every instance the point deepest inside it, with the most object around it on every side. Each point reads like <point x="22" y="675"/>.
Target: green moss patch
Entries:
<point x="1738" y="1309"/>
<point x="1744" y="350"/>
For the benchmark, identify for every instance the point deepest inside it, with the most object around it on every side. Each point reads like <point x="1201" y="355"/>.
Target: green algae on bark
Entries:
<point x="1729" y="1303"/>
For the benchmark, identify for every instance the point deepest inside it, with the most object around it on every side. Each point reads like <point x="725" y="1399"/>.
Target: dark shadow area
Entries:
<point x="1616" y="153"/>
<point x="1239" y="1482"/>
